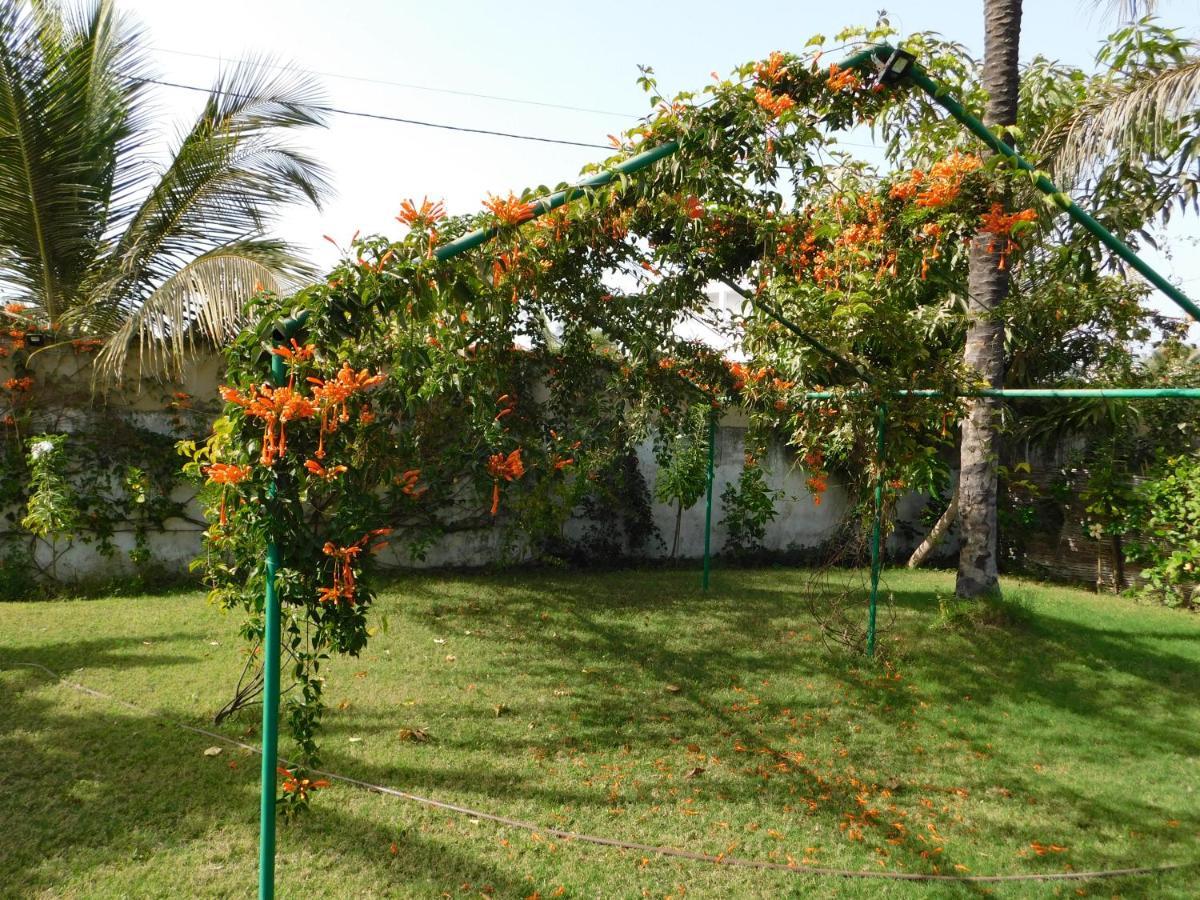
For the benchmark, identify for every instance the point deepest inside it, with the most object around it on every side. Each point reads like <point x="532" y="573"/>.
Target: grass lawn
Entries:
<point x="623" y="704"/>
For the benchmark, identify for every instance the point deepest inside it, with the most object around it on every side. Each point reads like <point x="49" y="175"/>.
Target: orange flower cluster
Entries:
<point x="941" y="185"/>
<point x="300" y="787"/>
<point x="320" y="471"/>
<point x="817" y="483"/>
<point x="276" y="407"/>
<point x="294" y="352"/>
<point x="408" y="483"/>
<point x="743" y="375"/>
<point x="772" y="69"/>
<point x="18" y="385"/>
<point x="426" y="215"/>
<point x="1000" y="225"/>
<point x="331" y="397"/>
<point x="507" y="404"/>
<point x="930" y="231"/>
<point x="854" y="244"/>
<point x="817" y="486"/>
<point x="617" y="226"/>
<point x="510" y="210"/>
<point x="694" y="208"/>
<point x="378" y="265"/>
<point x="344" y="584"/>
<point x="509" y="468"/>
<point x="505" y="263"/>
<point x="798" y="254"/>
<point x="556" y="224"/>
<point x="86" y="345"/>
<point x="775" y="104"/>
<point x="343" y="587"/>
<point x="227" y="473"/>
<point x="842" y="79"/>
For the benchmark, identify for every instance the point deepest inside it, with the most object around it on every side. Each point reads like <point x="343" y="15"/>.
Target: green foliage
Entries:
<point x="1168" y="531"/>
<point x="747" y="508"/>
<point x="683" y="460"/>
<point x="51" y="508"/>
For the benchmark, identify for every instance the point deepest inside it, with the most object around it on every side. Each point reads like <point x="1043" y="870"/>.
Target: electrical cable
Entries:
<point x="401" y="84"/>
<point x="335" y="110"/>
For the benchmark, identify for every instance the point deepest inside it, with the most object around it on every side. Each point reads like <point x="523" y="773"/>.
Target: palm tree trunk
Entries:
<point x="940" y="527"/>
<point x="987" y="286"/>
<point x="678" y="522"/>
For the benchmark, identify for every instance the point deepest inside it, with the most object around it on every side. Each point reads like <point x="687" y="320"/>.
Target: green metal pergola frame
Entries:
<point x="880" y="59"/>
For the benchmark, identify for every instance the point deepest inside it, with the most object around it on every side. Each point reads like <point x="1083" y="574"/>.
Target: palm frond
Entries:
<point x="231" y="174"/>
<point x="199" y="307"/>
<point x="67" y="88"/>
<point x="1147" y="114"/>
<point x="1127" y="10"/>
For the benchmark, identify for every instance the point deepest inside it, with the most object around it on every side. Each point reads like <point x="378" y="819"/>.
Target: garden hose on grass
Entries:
<point x="671" y="852"/>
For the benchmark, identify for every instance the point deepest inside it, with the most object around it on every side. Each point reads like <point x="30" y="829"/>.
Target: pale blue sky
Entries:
<point x="574" y="54"/>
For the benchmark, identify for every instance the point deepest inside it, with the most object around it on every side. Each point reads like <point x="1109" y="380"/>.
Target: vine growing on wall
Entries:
<point x="75" y="469"/>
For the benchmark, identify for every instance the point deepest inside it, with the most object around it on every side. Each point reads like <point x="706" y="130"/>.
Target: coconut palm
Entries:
<point x="987" y="286"/>
<point x="102" y="235"/>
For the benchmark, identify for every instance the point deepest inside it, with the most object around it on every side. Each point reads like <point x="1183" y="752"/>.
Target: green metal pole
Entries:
<point x="712" y="455"/>
<point x="1056" y="393"/>
<point x="877" y="529"/>
<point x="270" y="714"/>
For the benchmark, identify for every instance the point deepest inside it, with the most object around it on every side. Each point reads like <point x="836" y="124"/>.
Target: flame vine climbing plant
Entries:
<point x="508" y="384"/>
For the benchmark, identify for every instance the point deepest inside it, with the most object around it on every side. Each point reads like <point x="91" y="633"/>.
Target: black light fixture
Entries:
<point x="36" y="339"/>
<point x="895" y="67"/>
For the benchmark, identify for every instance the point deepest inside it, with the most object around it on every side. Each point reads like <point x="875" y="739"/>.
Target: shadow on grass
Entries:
<point x="100" y="784"/>
<point x="608" y="628"/>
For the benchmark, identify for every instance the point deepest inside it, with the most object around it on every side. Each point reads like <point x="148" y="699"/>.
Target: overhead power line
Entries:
<point x="385" y="118"/>
<point x="381" y="117"/>
<point x="407" y="85"/>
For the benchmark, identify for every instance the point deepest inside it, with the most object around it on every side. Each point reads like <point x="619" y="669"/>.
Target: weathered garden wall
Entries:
<point x="67" y="404"/>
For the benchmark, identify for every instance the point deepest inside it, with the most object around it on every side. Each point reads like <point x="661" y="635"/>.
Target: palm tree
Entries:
<point x="987" y="286"/>
<point x="100" y="239"/>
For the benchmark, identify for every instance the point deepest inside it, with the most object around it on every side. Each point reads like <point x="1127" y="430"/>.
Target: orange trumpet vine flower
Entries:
<point x="426" y="215"/>
<point x="504" y="467"/>
<point x="510" y="210"/>
<point x="301" y="787"/>
<point x="321" y="472"/>
<point x="771" y="102"/>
